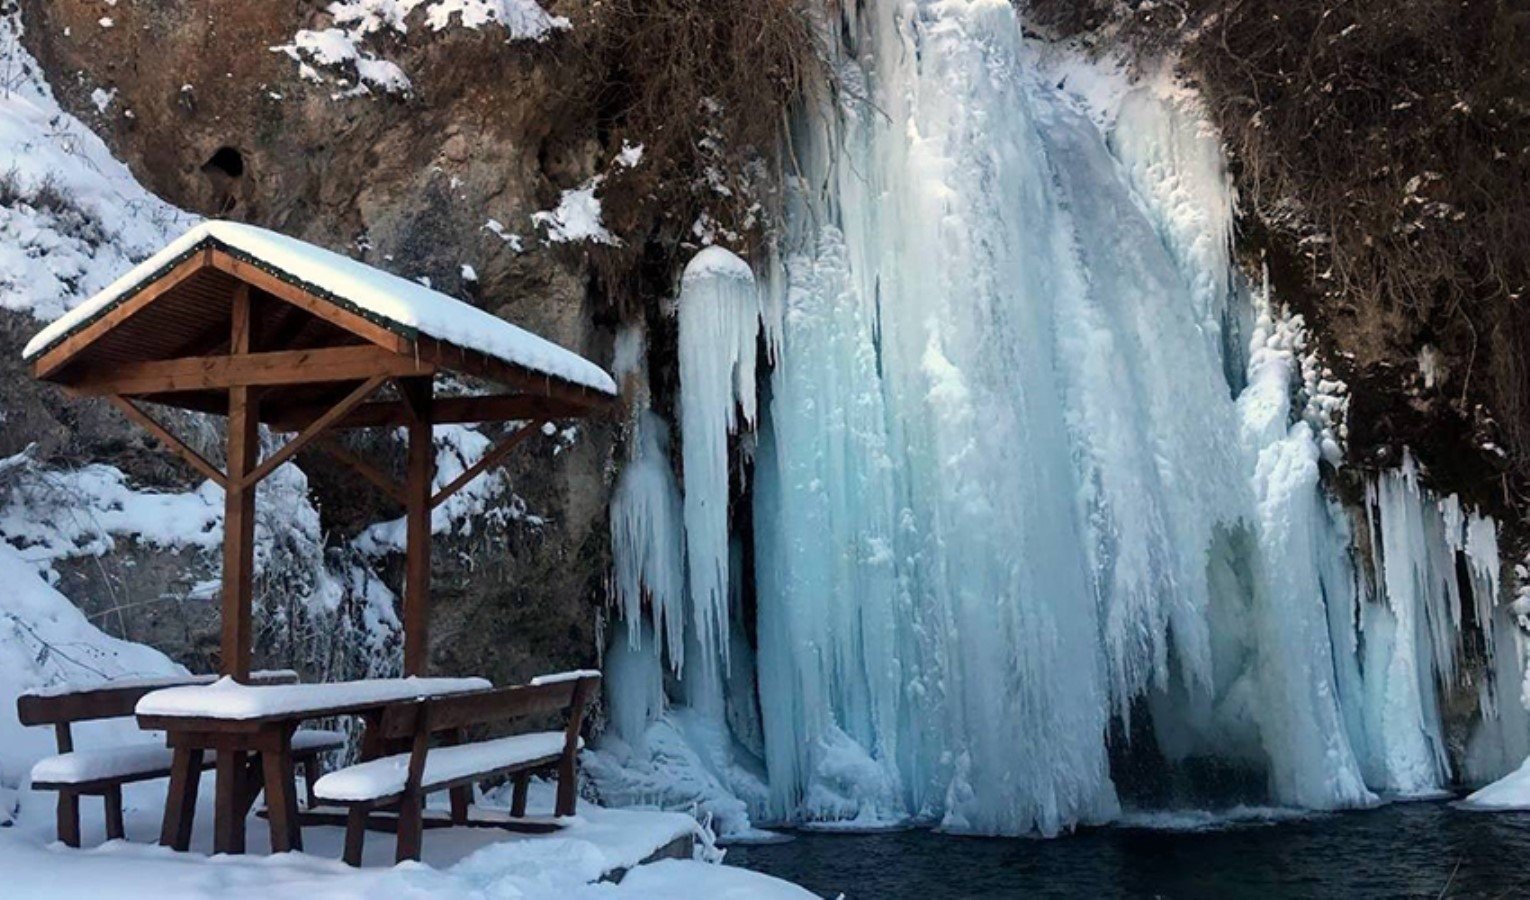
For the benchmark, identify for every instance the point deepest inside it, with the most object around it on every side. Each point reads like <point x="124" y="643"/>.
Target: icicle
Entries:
<point x="719" y="333"/>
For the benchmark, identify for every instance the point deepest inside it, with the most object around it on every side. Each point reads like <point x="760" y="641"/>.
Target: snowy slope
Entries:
<point x="46" y="642"/>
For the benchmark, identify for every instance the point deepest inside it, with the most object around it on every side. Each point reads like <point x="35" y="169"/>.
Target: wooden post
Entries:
<point x="417" y="394"/>
<point x="239" y="505"/>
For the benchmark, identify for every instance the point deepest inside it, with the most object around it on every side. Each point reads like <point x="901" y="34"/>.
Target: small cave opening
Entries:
<point x="226" y="161"/>
<point x="224" y="171"/>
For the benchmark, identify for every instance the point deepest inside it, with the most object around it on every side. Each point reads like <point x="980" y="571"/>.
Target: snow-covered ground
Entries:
<point x="458" y="862"/>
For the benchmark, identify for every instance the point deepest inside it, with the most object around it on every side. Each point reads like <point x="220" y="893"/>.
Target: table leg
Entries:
<point x="181" y="800"/>
<point x="281" y="798"/>
<point x="228" y="821"/>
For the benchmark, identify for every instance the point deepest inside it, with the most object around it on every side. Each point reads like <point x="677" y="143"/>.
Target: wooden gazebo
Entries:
<point x="240" y="322"/>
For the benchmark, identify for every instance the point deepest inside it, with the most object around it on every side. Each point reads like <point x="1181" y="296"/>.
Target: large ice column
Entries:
<point x="1299" y="583"/>
<point x="719" y="332"/>
<point x="1410" y="636"/>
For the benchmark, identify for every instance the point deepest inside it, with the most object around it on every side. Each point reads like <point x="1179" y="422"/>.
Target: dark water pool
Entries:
<point x="1402" y="850"/>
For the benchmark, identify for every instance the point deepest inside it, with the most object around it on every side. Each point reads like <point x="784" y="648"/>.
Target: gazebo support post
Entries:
<point x="239" y="505"/>
<point x="418" y="398"/>
<point x="238" y="571"/>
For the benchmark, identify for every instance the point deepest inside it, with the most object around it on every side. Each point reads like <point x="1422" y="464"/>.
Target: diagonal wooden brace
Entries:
<point x="171" y="442"/>
<point x="318" y="427"/>
<point x="496" y="453"/>
<point x="365" y="469"/>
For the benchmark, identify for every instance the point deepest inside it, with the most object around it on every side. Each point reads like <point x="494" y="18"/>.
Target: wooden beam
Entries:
<point x="445" y="411"/>
<point x="276" y="368"/>
<point x="318" y="427"/>
<point x="310" y="302"/>
<point x="171" y="442"/>
<point x="55" y="359"/>
<point x="417" y="393"/>
<point x="239" y="506"/>
<point x="379" y="478"/>
<point x="457" y="359"/>
<point x="492" y="458"/>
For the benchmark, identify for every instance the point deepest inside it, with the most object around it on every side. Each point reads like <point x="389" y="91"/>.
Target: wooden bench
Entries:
<point x="102" y="771"/>
<point x="403" y="780"/>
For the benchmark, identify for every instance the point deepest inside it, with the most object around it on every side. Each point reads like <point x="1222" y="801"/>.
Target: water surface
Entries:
<point x="1402" y="850"/>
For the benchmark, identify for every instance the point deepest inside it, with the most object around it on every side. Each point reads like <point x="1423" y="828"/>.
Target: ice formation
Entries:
<point x="1036" y="486"/>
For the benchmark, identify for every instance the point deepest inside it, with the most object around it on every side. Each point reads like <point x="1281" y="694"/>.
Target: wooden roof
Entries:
<point x="321" y="325"/>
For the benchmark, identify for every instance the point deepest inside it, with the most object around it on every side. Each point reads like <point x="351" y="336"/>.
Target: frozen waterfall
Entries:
<point x="1035" y="491"/>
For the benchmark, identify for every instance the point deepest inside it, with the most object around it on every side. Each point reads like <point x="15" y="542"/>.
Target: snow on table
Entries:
<point x="402" y="305"/>
<point x="386" y="777"/>
<point x="228" y="699"/>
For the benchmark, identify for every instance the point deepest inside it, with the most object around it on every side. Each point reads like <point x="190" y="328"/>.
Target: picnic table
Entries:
<point x="234" y="721"/>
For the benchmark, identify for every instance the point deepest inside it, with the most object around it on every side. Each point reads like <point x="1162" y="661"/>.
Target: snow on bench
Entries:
<point x="560" y="677"/>
<point x="63" y="688"/>
<point x="228" y="699"/>
<point x="384" y="778"/>
<point x="134" y="762"/>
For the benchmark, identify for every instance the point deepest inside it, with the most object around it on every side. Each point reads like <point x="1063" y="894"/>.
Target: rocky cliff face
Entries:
<point x="437" y="183"/>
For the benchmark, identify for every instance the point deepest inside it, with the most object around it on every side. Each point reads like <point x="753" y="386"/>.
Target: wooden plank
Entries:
<point x="445" y="411"/>
<point x="55" y="359"/>
<point x="69" y="818"/>
<point x="568" y="766"/>
<point x="281" y="801"/>
<point x="319" y="426"/>
<point x="171" y="442"/>
<point x="304" y="299"/>
<point x="181" y="801"/>
<point x="111" y="702"/>
<point x="277" y="368"/>
<point x="489" y="460"/>
<point x="228" y="806"/>
<point x="448" y="356"/>
<point x="479" y="707"/>
<point x="379" y="478"/>
<point x="111" y="801"/>
<point x="239" y="507"/>
<point x="417" y="393"/>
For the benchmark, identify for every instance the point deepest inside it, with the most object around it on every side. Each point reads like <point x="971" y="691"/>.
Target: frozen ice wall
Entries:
<point x="1036" y="484"/>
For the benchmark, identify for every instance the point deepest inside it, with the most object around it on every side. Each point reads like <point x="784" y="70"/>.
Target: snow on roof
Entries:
<point x="401" y="305"/>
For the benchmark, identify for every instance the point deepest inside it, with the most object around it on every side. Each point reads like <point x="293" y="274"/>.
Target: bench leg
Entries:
<point x="356" y="833"/>
<point x="228" y="811"/>
<point x="411" y="827"/>
<point x="568" y="784"/>
<point x="111" y="799"/>
<point x="69" y="818"/>
<point x="311" y="773"/>
<point x="281" y="801"/>
<point x="181" y="800"/>
<point x="518" y="795"/>
<point x="462" y="798"/>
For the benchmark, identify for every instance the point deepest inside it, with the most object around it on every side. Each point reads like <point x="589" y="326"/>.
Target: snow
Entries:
<point x="228" y="699"/>
<point x="576" y="217"/>
<point x="97" y="684"/>
<point x="127" y="760"/>
<point x="457" y="862"/>
<point x="387" y="776"/>
<point x="356" y="21"/>
<point x="46" y="643"/>
<point x="1511" y="792"/>
<point x="564" y="677"/>
<point x="406" y="306"/>
<point x="79" y="218"/>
